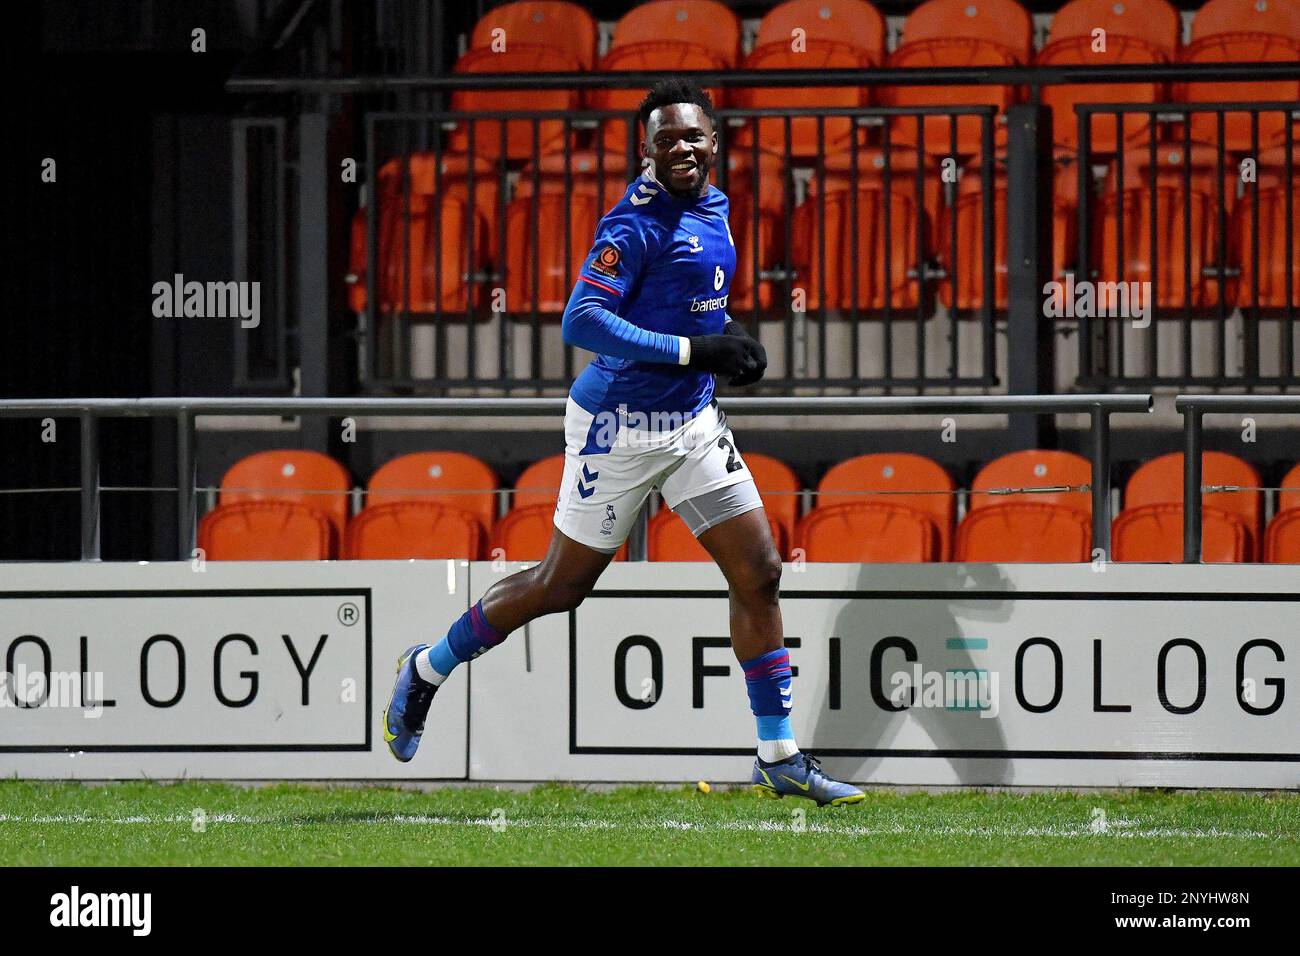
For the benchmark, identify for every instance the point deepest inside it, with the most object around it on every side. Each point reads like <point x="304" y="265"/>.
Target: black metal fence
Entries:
<point x="841" y="256"/>
<point x="1177" y="211"/>
<point x="913" y="249"/>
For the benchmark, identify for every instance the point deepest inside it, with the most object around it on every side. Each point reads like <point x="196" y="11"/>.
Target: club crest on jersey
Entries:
<point x="606" y="262"/>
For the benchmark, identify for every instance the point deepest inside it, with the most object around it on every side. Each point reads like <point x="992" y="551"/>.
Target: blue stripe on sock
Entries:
<point x="442" y="658"/>
<point x="775" y="728"/>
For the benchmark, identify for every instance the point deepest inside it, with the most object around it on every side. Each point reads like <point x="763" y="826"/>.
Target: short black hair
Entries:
<point x="676" y="89"/>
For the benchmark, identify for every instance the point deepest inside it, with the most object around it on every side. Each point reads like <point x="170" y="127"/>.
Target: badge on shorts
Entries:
<point x="607" y="526"/>
<point x="606" y="262"/>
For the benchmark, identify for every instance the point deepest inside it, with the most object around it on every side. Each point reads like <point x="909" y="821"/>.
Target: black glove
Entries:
<point x="733" y="357"/>
<point x="734" y="328"/>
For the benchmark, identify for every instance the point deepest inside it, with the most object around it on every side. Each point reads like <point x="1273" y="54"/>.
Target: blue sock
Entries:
<point x="469" y="637"/>
<point x="767" y="678"/>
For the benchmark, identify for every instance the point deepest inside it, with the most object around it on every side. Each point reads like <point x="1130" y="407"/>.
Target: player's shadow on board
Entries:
<point x="861" y="725"/>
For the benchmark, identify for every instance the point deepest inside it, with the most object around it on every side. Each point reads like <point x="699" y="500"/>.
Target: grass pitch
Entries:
<point x="215" y="824"/>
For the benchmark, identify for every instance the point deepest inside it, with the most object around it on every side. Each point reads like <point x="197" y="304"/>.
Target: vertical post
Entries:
<point x="184" y="483"/>
<point x="1191" y="484"/>
<point x="312" y="272"/>
<point x="89" y="487"/>
<point x="639" y="537"/>
<point x="1101" y="480"/>
<point x="1083" y="226"/>
<point x="1031" y="365"/>
<point x="368" y="363"/>
<point x="988" y="188"/>
<point x="239" y="133"/>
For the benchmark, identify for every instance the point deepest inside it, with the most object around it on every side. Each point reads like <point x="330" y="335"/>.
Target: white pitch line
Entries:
<point x="761" y="826"/>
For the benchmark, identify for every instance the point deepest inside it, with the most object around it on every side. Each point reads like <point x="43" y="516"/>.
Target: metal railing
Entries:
<point x="1029" y="76"/>
<point x="523" y="350"/>
<point x="1197" y="203"/>
<point x="184" y="410"/>
<point x="888" y="259"/>
<point x="1194" y="408"/>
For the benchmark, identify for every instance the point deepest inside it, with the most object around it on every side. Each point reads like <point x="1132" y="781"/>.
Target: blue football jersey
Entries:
<point x="663" y="264"/>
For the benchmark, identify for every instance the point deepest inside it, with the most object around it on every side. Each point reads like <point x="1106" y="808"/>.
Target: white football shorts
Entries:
<point x="612" y="462"/>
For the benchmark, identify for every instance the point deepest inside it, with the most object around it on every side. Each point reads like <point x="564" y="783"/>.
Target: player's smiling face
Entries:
<point x="681" y="141"/>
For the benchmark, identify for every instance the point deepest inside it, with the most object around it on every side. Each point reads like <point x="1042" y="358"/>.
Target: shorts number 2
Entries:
<point x="733" y="463"/>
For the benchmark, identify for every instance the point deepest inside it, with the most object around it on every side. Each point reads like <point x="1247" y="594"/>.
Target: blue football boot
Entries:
<point x="407" y="708"/>
<point x="802" y="776"/>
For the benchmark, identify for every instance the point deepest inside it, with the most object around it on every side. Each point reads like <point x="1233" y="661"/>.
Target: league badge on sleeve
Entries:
<point x="606" y="262"/>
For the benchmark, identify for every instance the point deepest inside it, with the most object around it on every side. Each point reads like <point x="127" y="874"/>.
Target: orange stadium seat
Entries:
<point x="876" y="244"/>
<point x="966" y="271"/>
<point x="1142" y="32"/>
<point x="1241" y="31"/>
<point x="266" y="531"/>
<point x="664" y="36"/>
<point x="1043" y="526"/>
<point x="959" y="33"/>
<point x="402" y="530"/>
<point x="539" y="483"/>
<point x="706" y="23"/>
<point x="1160" y="482"/>
<point x="1154" y="533"/>
<point x="779" y="487"/>
<point x="542" y="202"/>
<point x="556" y="24"/>
<point x="1287" y="500"/>
<point x="1273" y="17"/>
<point x="524" y="534"/>
<point x="1154" y="22"/>
<point x="1063" y="97"/>
<point x="669" y="539"/>
<point x="520" y="142"/>
<point x="1173" y="202"/>
<point x="1001" y="22"/>
<point x="1282" y="539"/>
<point x="835" y="34"/>
<point x="305" y="478"/>
<point x="1273" y="264"/>
<point x="855" y="23"/>
<point x="1024" y="531"/>
<point x="1035" y="468"/>
<point x="866" y="531"/>
<point x="452" y="479"/>
<point x="1239" y="48"/>
<point x="884" y="478"/>
<point x="436" y="247"/>
<point x="803" y="141"/>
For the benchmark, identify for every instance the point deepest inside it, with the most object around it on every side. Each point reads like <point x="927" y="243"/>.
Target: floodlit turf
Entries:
<point x="213" y="824"/>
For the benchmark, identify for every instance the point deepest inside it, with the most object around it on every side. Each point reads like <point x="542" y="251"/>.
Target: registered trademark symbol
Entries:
<point x="348" y="614"/>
